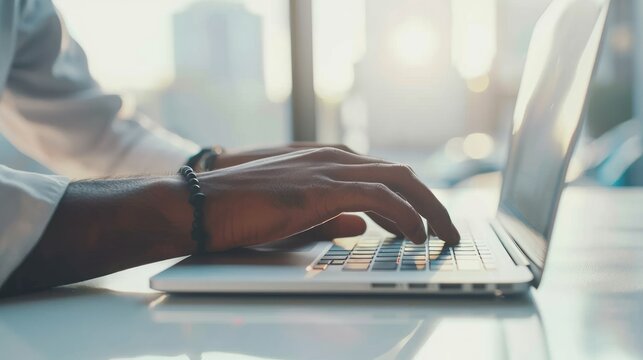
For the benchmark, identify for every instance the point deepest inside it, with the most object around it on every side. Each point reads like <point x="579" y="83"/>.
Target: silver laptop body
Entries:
<point x="505" y="255"/>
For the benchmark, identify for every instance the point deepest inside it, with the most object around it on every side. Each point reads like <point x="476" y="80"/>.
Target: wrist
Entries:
<point x="175" y="209"/>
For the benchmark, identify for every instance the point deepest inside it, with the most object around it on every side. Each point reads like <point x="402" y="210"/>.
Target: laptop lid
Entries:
<point x="549" y="108"/>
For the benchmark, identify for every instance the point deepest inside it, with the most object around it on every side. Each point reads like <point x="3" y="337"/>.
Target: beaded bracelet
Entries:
<point x="204" y="160"/>
<point x="197" y="200"/>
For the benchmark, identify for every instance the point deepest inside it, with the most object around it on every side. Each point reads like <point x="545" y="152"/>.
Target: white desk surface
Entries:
<point x="590" y="305"/>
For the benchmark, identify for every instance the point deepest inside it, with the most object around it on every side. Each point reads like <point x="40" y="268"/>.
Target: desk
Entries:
<point x="590" y="305"/>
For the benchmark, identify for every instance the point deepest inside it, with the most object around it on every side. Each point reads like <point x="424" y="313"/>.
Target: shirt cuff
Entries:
<point x="156" y="151"/>
<point x="28" y="202"/>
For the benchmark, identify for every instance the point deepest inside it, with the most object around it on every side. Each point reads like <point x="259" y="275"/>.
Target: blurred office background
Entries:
<point x="428" y="83"/>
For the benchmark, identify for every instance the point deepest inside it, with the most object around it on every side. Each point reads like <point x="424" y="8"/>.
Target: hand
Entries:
<point x="280" y="196"/>
<point x="343" y="225"/>
<point x="231" y="159"/>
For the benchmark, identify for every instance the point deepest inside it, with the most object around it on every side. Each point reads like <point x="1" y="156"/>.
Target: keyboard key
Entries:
<point x="337" y="262"/>
<point x="361" y="257"/>
<point x="405" y="267"/>
<point x="442" y="262"/>
<point x="363" y="252"/>
<point x="386" y="243"/>
<point x="438" y="253"/>
<point x="390" y="249"/>
<point x="423" y="258"/>
<point x="386" y="258"/>
<point x="465" y="248"/>
<point x="334" y="257"/>
<point x="355" y="267"/>
<point x="338" y="252"/>
<point x="441" y="257"/>
<point x="361" y="261"/>
<point x="322" y="261"/>
<point x="320" y="267"/>
<point x="341" y="248"/>
<point x="384" y="266"/>
<point x="358" y="261"/>
<point x="465" y="251"/>
<point x="442" y="266"/>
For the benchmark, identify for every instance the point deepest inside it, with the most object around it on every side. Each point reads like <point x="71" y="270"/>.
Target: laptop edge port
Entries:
<point x="383" y="285"/>
<point x="418" y="286"/>
<point x="450" y="287"/>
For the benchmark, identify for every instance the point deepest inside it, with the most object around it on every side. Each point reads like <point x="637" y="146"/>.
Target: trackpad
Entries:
<point x="291" y="244"/>
<point x="280" y="253"/>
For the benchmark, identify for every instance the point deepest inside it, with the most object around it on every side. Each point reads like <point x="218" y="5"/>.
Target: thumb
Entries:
<point x="343" y="225"/>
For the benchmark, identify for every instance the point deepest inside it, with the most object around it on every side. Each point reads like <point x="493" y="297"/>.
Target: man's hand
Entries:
<point x="344" y="225"/>
<point x="279" y="196"/>
<point x="103" y="226"/>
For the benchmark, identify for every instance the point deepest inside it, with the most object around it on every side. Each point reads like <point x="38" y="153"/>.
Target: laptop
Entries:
<point x="504" y="255"/>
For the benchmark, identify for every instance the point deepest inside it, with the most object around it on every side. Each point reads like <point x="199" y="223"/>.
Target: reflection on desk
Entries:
<point x="107" y="325"/>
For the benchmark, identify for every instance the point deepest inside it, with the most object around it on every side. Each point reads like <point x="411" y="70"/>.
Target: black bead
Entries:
<point x="197" y="199"/>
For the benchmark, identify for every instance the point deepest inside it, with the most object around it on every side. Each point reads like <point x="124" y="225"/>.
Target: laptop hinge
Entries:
<point x="510" y="244"/>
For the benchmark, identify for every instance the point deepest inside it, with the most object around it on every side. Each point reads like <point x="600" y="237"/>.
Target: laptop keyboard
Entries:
<point x="374" y="254"/>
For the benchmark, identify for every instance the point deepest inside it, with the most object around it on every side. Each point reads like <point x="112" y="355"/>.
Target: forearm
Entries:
<point x="103" y="226"/>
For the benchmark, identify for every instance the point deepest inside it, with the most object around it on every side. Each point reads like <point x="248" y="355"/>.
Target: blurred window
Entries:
<point x="214" y="71"/>
<point x="429" y="83"/>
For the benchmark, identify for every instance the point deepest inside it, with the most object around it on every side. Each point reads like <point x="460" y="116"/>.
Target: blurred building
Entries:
<point x="218" y="91"/>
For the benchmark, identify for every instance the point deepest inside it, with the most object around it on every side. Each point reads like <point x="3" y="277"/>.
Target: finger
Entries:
<point x="385" y="223"/>
<point x="343" y="225"/>
<point x="338" y="156"/>
<point x="373" y="197"/>
<point x="402" y="179"/>
<point x="429" y="230"/>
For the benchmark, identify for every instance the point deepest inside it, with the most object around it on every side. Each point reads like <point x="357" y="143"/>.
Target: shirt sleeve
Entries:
<point x="55" y="112"/>
<point x="52" y="110"/>
<point x="28" y="202"/>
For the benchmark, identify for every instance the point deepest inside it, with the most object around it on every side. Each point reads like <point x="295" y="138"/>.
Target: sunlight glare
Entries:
<point x="478" y="145"/>
<point x="473" y="44"/>
<point x="453" y="149"/>
<point x="339" y="41"/>
<point x="413" y="42"/>
<point x="478" y="84"/>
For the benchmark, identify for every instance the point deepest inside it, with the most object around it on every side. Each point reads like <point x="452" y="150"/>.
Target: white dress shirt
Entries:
<point x="52" y="110"/>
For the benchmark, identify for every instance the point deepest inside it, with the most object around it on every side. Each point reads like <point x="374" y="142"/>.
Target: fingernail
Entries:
<point x="421" y="236"/>
<point x="430" y="230"/>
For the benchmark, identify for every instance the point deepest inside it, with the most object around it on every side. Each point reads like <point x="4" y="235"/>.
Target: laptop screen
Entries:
<point x="560" y="62"/>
